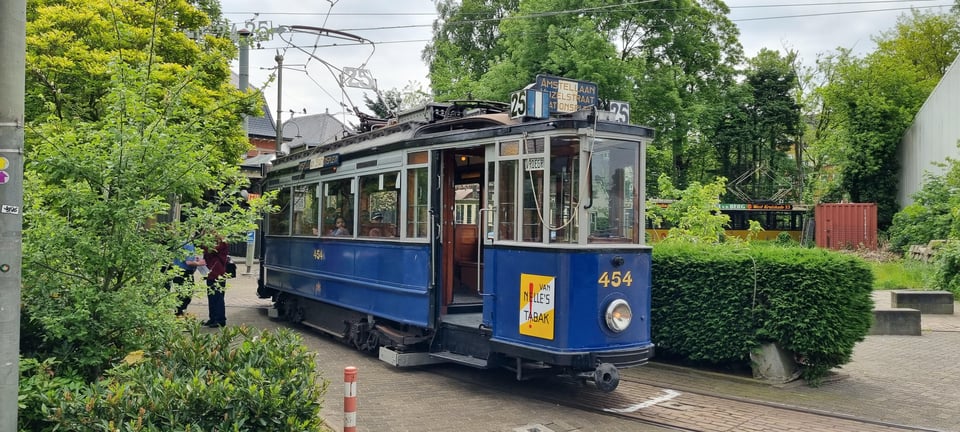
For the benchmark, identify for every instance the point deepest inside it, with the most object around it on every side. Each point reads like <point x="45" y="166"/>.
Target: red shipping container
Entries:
<point x="846" y="225"/>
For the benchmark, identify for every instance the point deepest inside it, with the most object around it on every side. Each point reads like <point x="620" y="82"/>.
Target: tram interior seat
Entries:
<point x="381" y="229"/>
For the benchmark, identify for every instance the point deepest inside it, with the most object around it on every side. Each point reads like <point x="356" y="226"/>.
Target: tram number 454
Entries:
<point x="615" y="279"/>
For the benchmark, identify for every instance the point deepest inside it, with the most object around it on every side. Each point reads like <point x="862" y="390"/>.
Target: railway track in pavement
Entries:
<point x="676" y="409"/>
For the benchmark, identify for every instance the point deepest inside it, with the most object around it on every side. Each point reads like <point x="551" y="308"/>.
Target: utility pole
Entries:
<point x="244" y="83"/>
<point x="13" y="48"/>
<point x="279" y="59"/>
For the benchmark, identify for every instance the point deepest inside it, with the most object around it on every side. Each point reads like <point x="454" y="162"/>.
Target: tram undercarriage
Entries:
<point x="460" y="339"/>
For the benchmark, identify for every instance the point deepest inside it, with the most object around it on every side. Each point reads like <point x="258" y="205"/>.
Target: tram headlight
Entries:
<point x="618" y="315"/>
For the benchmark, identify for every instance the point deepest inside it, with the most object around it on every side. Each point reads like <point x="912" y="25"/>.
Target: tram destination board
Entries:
<point x="567" y="95"/>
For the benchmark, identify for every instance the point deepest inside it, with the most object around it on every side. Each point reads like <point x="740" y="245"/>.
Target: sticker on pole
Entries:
<point x="537" y="305"/>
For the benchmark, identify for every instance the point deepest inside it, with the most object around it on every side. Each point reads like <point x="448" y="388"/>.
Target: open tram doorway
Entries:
<point x="462" y="254"/>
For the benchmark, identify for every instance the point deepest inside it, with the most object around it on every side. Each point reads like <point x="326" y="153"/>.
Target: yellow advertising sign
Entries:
<point x="537" y="302"/>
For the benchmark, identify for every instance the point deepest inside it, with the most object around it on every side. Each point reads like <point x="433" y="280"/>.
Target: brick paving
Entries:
<point x="905" y="380"/>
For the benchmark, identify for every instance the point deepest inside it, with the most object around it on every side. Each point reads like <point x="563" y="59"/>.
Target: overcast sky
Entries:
<point x="401" y="28"/>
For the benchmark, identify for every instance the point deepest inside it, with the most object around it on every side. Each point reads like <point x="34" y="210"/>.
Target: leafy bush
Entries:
<point x="713" y="305"/>
<point x="237" y="379"/>
<point x="929" y="218"/>
<point x="947" y="274"/>
<point x="784" y="239"/>
<point x="39" y="383"/>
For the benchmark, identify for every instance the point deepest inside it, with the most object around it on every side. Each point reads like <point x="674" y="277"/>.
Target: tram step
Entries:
<point x="460" y="358"/>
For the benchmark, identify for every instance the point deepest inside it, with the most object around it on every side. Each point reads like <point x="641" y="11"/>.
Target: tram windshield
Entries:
<point x="614" y="176"/>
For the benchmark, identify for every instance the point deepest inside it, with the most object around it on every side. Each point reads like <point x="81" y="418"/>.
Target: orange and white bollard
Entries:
<point x="350" y="399"/>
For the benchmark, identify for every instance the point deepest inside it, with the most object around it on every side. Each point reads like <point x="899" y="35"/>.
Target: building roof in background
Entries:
<point x="260" y="126"/>
<point x="311" y="131"/>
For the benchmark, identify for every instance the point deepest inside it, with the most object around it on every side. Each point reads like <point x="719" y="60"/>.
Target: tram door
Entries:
<point x="461" y="255"/>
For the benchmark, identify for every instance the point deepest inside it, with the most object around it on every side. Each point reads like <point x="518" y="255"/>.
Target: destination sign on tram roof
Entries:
<point x="331" y="160"/>
<point x="567" y="95"/>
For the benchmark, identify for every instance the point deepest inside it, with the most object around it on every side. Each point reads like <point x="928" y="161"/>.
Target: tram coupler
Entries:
<point x="605" y="376"/>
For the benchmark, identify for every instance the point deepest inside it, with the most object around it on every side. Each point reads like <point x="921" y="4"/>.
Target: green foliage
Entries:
<point x="670" y="62"/>
<point x="784" y="239"/>
<point x="237" y="379"/>
<point x="127" y="116"/>
<point x="694" y="214"/>
<point x="947" y="274"/>
<point x="713" y="305"/>
<point x="930" y="217"/>
<point x="93" y="250"/>
<point x="39" y="384"/>
<point x="901" y="274"/>
<point x="755" y="125"/>
<point x="869" y="103"/>
<point x="394" y="101"/>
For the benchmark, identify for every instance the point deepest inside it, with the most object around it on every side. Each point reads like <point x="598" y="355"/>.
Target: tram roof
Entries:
<point x="420" y="127"/>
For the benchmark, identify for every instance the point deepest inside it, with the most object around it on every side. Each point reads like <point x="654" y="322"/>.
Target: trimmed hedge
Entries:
<point x="713" y="305"/>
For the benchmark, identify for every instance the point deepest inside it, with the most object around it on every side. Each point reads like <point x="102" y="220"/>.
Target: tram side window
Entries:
<point x="613" y="178"/>
<point x="507" y="200"/>
<point x="338" y="203"/>
<point x="305" y="210"/>
<point x="279" y="223"/>
<point x="379" y="205"/>
<point x="564" y="188"/>
<point x="417" y="216"/>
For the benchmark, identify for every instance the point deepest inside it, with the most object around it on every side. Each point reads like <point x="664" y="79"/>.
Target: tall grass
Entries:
<point x="901" y="274"/>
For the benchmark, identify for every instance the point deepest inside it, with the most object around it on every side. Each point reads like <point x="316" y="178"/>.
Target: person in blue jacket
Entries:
<point x="187" y="266"/>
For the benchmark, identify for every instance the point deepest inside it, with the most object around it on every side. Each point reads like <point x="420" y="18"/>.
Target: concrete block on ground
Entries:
<point x="774" y="364"/>
<point x="927" y="302"/>
<point x="896" y="321"/>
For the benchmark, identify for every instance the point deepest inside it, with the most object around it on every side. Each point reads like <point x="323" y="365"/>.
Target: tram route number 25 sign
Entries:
<point x="529" y="103"/>
<point x="537" y="303"/>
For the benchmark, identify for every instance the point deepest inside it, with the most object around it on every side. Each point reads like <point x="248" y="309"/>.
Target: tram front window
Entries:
<point x="614" y="176"/>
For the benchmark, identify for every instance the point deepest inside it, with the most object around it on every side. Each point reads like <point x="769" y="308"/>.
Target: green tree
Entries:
<point x="869" y="102"/>
<point x="694" y="214"/>
<point x="754" y="126"/>
<point x="670" y="63"/>
<point x="392" y="102"/>
<point x="465" y="41"/>
<point x="124" y="121"/>
<point x="689" y="51"/>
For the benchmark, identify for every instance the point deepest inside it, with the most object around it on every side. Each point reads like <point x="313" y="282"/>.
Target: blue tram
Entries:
<point x="460" y="234"/>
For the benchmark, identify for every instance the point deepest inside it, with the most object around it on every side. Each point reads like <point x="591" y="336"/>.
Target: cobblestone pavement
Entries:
<point x="905" y="380"/>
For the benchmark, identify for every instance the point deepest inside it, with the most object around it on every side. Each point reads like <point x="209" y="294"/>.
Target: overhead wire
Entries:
<point x="605" y="8"/>
<point x="615" y="8"/>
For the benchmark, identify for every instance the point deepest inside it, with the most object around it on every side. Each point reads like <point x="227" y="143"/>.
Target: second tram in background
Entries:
<point x="774" y="218"/>
<point x="460" y="233"/>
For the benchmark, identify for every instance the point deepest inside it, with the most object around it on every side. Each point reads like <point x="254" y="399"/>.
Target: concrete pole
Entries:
<point x="13" y="48"/>
<point x="244" y="83"/>
<point x="279" y="59"/>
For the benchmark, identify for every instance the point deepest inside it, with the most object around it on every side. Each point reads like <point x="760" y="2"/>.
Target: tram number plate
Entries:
<point x="621" y="111"/>
<point x="615" y="279"/>
<point x="534" y="164"/>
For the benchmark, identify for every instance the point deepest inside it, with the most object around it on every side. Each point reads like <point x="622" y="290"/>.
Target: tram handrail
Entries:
<point x="481" y="237"/>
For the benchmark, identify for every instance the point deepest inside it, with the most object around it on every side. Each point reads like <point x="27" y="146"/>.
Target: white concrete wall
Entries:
<point x="932" y="137"/>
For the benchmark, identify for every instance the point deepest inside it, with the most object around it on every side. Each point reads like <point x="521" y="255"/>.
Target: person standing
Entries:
<point x="187" y="266"/>
<point x="216" y="259"/>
